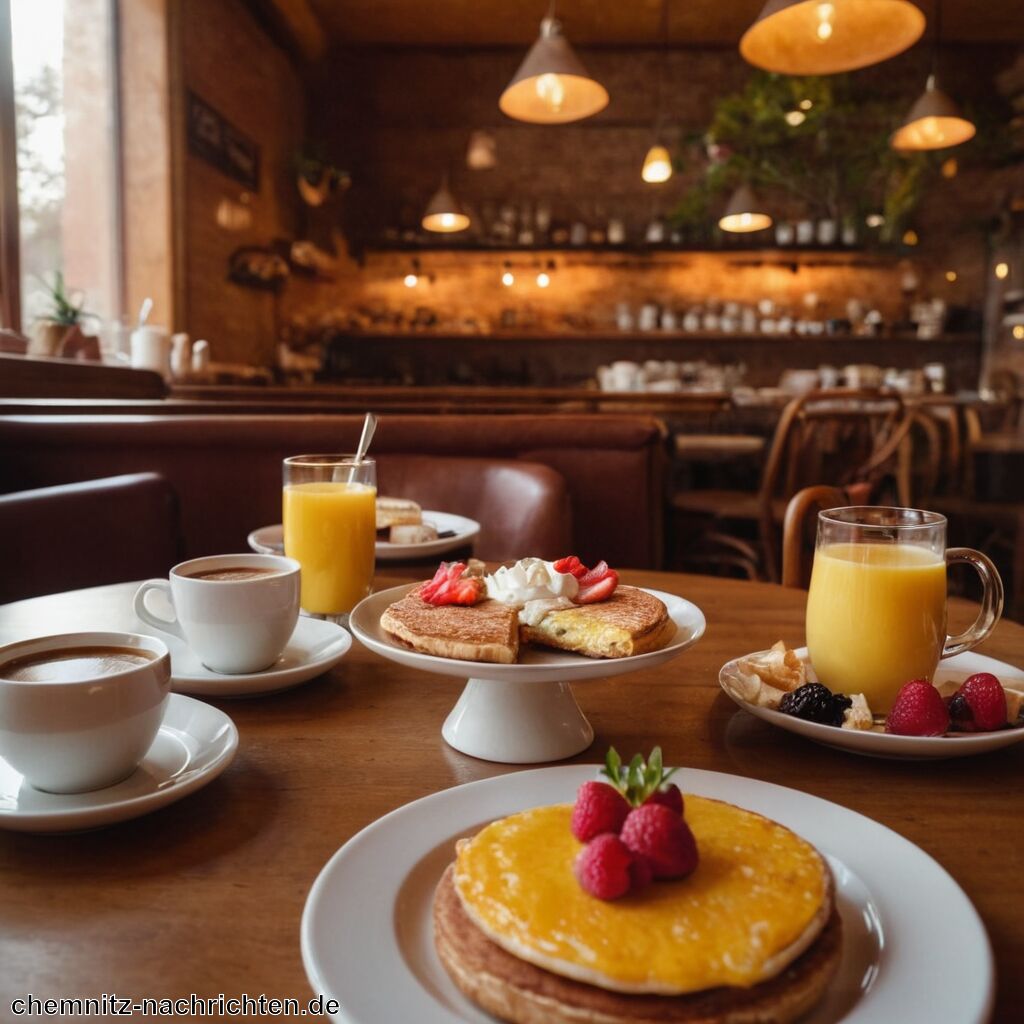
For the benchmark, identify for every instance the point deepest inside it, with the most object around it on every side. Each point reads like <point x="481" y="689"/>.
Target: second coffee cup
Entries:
<point x="237" y="612"/>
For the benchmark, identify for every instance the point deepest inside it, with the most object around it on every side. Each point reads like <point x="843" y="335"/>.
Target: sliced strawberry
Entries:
<point x="449" y="586"/>
<point x="597" y="573"/>
<point x="571" y="565"/>
<point x="599" y="591"/>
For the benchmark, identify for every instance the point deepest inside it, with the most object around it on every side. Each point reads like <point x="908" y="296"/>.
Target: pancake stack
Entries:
<point x="751" y="937"/>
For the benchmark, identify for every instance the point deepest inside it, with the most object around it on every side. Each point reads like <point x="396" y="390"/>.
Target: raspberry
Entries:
<point x="640" y="874"/>
<point x="599" y="808"/>
<point x="603" y="867"/>
<point x="979" y="705"/>
<point x="663" y="839"/>
<point x="668" y="796"/>
<point x="919" y="710"/>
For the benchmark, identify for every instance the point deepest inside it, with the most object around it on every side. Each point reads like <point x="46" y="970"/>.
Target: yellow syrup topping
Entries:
<point x="757" y="890"/>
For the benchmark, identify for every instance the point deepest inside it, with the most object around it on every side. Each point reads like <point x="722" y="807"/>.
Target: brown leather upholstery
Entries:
<point x="226" y="470"/>
<point x="521" y="506"/>
<point x="87" y="534"/>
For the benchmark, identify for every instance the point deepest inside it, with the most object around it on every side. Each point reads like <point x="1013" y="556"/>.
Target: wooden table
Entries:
<point x="205" y="896"/>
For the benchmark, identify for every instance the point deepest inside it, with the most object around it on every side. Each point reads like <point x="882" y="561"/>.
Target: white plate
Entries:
<point x="314" y="647"/>
<point x="883" y="744"/>
<point x="914" y="948"/>
<point x="269" y="540"/>
<point x="536" y="664"/>
<point x="195" y="744"/>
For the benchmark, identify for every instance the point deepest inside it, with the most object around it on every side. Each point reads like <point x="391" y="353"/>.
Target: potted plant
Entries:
<point x="60" y="324"/>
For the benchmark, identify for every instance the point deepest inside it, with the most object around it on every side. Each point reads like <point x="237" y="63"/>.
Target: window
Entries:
<point x="61" y="56"/>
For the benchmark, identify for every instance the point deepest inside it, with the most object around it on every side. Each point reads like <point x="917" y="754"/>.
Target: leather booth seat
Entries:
<point x="600" y="475"/>
<point x="87" y="534"/>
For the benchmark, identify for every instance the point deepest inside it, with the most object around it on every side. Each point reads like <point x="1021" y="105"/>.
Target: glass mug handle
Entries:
<point x="991" y="602"/>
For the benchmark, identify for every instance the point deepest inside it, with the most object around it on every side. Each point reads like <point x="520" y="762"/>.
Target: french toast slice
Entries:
<point x="488" y="631"/>
<point x="630" y="622"/>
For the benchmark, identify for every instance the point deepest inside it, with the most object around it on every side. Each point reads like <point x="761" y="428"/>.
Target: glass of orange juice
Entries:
<point x="330" y="528"/>
<point x="876" y="609"/>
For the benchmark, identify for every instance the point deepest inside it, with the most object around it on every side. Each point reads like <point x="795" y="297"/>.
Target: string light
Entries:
<point x="874" y="220"/>
<point x="543" y="280"/>
<point x="508" y="278"/>
<point x="950" y="168"/>
<point x="910" y="237"/>
<point x="1002" y="271"/>
<point x="1018" y="332"/>
<point x="951" y="276"/>
<point x="794" y="118"/>
<point x="806" y="104"/>
<point x="411" y="280"/>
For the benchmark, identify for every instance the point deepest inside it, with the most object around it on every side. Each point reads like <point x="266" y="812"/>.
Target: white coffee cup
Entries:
<point x="235" y="626"/>
<point x="87" y="732"/>
<point x="151" y="349"/>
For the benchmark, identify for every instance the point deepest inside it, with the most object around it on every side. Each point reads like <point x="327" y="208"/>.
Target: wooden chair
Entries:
<point x="795" y="529"/>
<point x="840" y="437"/>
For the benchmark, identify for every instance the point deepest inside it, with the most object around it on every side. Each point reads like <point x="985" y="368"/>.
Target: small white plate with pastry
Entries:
<point x="404" y="531"/>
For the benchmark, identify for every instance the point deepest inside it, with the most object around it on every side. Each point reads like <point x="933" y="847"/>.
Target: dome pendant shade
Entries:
<point x="934" y="122"/>
<point x="657" y="165"/>
<point x="551" y="85"/>
<point x="443" y="212"/>
<point x="811" y="37"/>
<point x="744" y="212"/>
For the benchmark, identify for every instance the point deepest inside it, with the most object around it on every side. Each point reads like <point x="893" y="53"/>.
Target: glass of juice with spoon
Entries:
<point x="330" y="528"/>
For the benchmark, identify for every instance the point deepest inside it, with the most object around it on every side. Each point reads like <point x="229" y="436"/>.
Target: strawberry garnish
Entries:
<point x="570" y="565"/>
<point x="594" y="575"/>
<point x="599" y="591"/>
<point x="450" y="586"/>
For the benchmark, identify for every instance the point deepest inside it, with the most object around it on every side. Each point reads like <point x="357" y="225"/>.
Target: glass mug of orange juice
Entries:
<point x="876" y="609"/>
<point x="330" y="528"/>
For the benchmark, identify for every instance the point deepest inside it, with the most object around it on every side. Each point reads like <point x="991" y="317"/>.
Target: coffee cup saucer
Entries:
<point x="315" y="646"/>
<point x="196" y="742"/>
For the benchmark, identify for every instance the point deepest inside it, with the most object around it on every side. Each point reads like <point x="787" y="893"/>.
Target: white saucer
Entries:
<point x="269" y="540"/>
<point x="314" y="647"/>
<point x="884" y="744"/>
<point x="524" y="713"/>
<point x="195" y="744"/>
<point x="914" y="949"/>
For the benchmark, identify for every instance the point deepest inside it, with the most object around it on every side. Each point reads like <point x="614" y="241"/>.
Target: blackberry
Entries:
<point x="815" y="703"/>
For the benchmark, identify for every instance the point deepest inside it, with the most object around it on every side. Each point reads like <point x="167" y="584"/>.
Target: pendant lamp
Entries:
<point x="658" y="164"/>
<point x="810" y="37"/>
<point x="744" y="212"/>
<point x="933" y="122"/>
<point x="552" y="86"/>
<point x="443" y="212"/>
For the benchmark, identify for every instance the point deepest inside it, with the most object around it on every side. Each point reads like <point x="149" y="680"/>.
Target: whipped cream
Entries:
<point x="533" y="612"/>
<point x="530" y="579"/>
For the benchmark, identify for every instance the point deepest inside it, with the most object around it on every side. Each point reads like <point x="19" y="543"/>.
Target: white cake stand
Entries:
<point x="524" y="713"/>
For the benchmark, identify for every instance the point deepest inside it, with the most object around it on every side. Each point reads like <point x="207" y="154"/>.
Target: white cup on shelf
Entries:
<point x="151" y="349"/>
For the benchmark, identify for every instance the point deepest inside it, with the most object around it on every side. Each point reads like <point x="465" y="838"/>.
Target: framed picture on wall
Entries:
<point x="213" y="138"/>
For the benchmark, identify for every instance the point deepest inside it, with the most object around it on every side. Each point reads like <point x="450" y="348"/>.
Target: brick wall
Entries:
<point x="231" y="63"/>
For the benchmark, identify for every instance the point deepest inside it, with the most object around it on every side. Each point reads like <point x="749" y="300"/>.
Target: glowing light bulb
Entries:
<point x="806" y="104"/>
<point x="951" y="276"/>
<point x="657" y="165"/>
<point x="551" y="90"/>
<point x="1002" y="271"/>
<point x="411" y="280"/>
<point x="826" y="12"/>
<point x="1018" y="332"/>
<point x="543" y="280"/>
<point x="508" y="279"/>
<point x="795" y="118"/>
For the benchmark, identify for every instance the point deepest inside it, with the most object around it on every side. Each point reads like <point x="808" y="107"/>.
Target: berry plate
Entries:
<point x="872" y="743"/>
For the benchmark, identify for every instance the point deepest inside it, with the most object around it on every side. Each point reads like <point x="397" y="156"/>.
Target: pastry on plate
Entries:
<point x="487" y="631"/>
<point x="397" y="512"/>
<point x="629" y="622"/>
